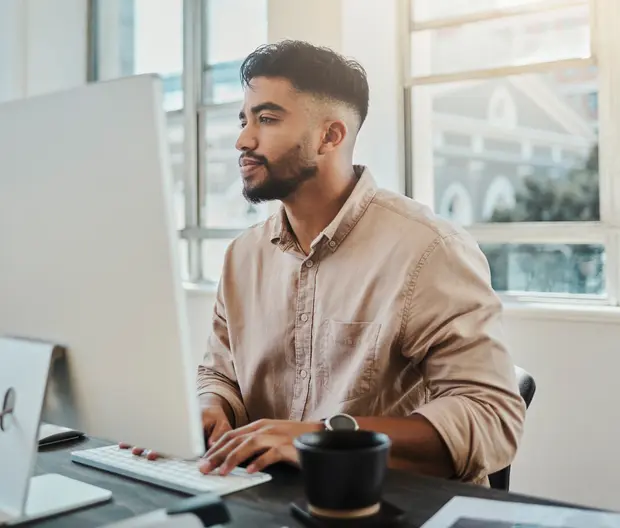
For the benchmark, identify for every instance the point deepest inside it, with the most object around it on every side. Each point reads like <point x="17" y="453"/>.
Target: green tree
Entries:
<point x="573" y="197"/>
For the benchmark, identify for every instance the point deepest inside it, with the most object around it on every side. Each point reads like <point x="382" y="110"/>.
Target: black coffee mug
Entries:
<point x="343" y="472"/>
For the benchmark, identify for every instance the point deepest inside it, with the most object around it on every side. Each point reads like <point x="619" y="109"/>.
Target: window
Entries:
<point x="197" y="48"/>
<point x="224" y="212"/>
<point x="511" y="131"/>
<point x="135" y="37"/>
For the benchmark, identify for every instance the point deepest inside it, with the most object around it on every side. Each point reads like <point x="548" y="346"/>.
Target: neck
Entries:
<point x="317" y="203"/>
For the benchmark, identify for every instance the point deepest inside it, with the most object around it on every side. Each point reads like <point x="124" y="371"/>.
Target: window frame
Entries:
<point x="195" y="66"/>
<point x="196" y="107"/>
<point x="420" y="179"/>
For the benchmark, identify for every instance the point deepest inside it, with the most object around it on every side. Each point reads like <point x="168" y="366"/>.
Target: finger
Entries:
<point x="285" y="452"/>
<point x="250" y="447"/>
<point x="215" y="445"/>
<point x="208" y="422"/>
<point x="268" y="458"/>
<point x="254" y="427"/>
<point x="210" y="418"/>
<point x="218" y="431"/>
<point x="138" y="451"/>
<point x="224" y="439"/>
<point x="217" y="457"/>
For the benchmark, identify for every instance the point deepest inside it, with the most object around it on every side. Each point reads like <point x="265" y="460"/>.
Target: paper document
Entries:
<point x="466" y="512"/>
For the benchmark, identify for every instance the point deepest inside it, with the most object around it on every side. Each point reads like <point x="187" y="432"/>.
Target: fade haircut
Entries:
<point x="311" y="69"/>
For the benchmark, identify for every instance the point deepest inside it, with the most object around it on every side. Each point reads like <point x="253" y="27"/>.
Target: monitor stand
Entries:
<point x="23" y="383"/>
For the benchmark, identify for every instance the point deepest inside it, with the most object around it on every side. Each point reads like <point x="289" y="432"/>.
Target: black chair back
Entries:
<point x="527" y="388"/>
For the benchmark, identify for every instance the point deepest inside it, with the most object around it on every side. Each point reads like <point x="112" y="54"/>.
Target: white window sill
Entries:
<point x="562" y="312"/>
<point x="200" y="290"/>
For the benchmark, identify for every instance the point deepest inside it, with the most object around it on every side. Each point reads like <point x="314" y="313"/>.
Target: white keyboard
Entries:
<point x="175" y="474"/>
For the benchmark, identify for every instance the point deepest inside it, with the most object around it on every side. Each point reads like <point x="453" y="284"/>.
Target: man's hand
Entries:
<point x="216" y="418"/>
<point x="270" y="440"/>
<point x="216" y="421"/>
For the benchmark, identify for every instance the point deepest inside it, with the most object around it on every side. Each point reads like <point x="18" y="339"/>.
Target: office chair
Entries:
<point x="527" y="388"/>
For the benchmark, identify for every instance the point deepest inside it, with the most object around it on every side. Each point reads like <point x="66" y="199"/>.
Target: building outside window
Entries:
<point x="513" y="89"/>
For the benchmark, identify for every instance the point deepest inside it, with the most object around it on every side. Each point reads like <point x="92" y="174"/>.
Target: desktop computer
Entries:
<point x="90" y="288"/>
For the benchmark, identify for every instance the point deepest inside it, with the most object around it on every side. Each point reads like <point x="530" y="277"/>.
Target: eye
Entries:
<point x="242" y="124"/>
<point x="266" y="120"/>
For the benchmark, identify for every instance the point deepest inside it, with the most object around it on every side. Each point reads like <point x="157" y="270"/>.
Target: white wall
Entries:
<point x="57" y="36"/>
<point x="12" y="50"/>
<point x="318" y="22"/>
<point x="199" y="312"/>
<point x="570" y="446"/>
<point x="370" y="34"/>
<point x="43" y="46"/>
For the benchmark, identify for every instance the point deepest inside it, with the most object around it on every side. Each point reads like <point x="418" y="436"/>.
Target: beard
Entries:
<point x="282" y="176"/>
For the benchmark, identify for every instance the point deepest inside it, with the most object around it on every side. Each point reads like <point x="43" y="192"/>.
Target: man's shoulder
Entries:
<point x="256" y="234"/>
<point x="394" y="207"/>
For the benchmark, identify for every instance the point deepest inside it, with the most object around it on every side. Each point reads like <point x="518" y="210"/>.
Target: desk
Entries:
<point x="266" y="505"/>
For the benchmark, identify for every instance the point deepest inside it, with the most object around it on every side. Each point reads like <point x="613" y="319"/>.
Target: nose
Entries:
<point x="246" y="140"/>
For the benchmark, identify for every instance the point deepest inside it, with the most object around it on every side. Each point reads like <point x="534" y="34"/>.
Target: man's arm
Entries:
<point x="473" y="419"/>
<point x="416" y="444"/>
<point x="217" y="379"/>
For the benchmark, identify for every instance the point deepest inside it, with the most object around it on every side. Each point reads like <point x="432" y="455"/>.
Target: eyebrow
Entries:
<point x="264" y="106"/>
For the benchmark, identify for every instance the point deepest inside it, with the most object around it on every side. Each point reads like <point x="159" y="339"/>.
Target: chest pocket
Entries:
<point x="346" y="362"/>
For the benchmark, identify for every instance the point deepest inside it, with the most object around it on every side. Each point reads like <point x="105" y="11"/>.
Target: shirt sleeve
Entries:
<point x="216" y="373"/>
<point x="452" y="330"/>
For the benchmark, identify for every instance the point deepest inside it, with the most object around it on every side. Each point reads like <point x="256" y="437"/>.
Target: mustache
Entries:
<point x="255" y="157"/>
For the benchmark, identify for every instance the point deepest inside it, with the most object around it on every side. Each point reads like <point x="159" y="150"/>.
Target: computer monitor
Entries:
<point x="89" y="260"/>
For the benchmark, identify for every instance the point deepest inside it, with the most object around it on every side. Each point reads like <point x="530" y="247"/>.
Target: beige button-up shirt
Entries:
<point x="390" y="314"/>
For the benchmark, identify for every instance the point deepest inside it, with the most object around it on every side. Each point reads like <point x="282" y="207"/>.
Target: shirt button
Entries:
<point x="332" y="244"/>
<point x="303" y="374"/>
<point x="309" y="263"/>
<point x="304" y="317"/>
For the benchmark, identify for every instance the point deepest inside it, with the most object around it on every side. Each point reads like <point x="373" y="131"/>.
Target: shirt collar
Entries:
<point x="337" y="230"/>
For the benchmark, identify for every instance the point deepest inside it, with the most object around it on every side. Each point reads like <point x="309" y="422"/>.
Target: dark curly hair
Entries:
<point x="311" y="69"/>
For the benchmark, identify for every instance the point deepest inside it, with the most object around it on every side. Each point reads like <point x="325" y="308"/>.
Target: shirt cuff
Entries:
<point x="239" y="412"/>
<point x="451" y="418"/>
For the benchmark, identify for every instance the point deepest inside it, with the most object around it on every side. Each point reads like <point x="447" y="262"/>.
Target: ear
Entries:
<point x="333" y="136"/>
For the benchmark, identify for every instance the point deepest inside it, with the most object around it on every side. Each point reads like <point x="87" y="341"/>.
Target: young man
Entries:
<point x="351" y="299"/>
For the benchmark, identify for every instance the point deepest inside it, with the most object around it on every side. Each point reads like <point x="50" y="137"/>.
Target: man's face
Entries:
<point x="278" y="141"/>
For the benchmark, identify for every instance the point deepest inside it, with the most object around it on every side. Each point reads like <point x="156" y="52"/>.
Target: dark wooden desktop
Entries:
<point x="265" y="505"/>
